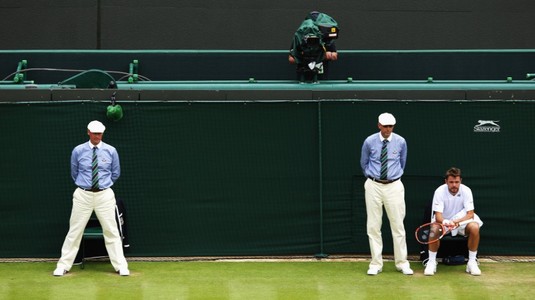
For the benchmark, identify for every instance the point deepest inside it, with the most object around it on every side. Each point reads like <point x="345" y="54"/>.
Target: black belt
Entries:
<point x="92" y="190"/>
<point x="384" y="181"/>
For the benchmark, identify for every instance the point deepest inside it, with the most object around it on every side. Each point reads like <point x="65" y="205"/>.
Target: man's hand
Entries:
<point x="448" y="223"/>
<point x="291" y="59"/>
<point x="331" y="55"/>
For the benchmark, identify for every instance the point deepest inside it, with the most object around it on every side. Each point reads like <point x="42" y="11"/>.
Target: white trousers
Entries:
<point x="83" y="205"/>
<point x="392" y="197"/>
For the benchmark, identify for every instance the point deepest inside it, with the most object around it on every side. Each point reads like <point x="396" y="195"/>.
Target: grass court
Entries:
<point x="250" y="279"/>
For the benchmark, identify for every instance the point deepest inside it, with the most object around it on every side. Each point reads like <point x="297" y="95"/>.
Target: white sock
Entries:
<point x="472" y="255"/>
<point x="432" y="255"/>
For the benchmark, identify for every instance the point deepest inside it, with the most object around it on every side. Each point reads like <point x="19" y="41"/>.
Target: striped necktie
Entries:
<point x="384" y="160"/>
<point x="94" y="170"/>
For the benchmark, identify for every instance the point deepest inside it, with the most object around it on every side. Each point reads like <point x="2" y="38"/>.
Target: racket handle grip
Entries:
<point x="457" y="224"/>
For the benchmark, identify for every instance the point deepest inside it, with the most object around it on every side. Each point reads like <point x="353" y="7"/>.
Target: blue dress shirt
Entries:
<point x="109" y="168"/>
<point x="370" y="159"/>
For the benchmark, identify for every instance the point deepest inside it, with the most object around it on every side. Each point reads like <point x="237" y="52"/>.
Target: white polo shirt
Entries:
<point x="450" y="205"/>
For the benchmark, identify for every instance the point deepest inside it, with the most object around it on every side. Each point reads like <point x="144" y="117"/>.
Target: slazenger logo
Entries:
<point x="487" y="126"/>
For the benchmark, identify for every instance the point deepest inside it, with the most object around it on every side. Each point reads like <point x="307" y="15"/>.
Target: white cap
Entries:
<point x="387" y="119"/>
<point x="96" y="127"/>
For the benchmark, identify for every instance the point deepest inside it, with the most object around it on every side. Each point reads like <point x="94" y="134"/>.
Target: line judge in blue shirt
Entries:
<point x="94" y="168"/>
<point x="382" y="160"/>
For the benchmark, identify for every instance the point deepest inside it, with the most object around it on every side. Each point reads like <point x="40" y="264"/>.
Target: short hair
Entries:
<point x="454" y="172"/>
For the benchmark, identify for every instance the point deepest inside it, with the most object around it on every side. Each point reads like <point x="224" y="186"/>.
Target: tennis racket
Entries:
<point x="432" y="232"/>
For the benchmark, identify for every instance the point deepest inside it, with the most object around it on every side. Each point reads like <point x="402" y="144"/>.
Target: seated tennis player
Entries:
<point x="453" y="203"/>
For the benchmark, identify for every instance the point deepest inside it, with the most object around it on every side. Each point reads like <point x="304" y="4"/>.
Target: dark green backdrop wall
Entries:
<point x="262" y="178"/>
<point x="263" y="25"/>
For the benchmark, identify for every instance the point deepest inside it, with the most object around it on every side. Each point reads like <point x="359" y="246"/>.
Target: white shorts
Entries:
<point x="461" y="229"/>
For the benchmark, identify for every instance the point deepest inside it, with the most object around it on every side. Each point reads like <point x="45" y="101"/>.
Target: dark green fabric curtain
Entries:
<point x="271" y="178"/>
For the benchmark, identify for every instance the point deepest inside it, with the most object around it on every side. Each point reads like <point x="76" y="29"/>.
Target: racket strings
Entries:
<point x="429" y="233"/>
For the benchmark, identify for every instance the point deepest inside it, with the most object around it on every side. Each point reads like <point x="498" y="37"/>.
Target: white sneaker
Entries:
<point x="430" y="268"/>
<point x="406" y="270"/>
<point x="59" y="272"/>
<point x="374" y="270"/>
<point x="473" y="268"/>
<point x="124" y="272"/>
